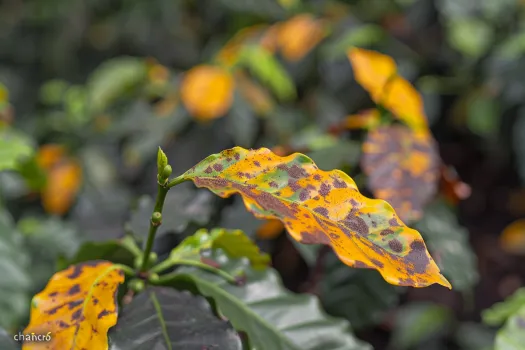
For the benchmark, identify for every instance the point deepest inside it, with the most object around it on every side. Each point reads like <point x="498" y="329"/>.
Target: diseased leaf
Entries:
<point x="402" y="168"/>
<point x="234" y="242"/>
<point x="361" y="296"/>
<point x="271" y="316"/>
<point x="512" y="238"/>
<point x="207" y="92"/>
<point x="321" y="207"/>
<point x="449" y="244"/>
<point x="14" y="147"/>
<point x="78" y="306"/>
<point x="169" y="319"/>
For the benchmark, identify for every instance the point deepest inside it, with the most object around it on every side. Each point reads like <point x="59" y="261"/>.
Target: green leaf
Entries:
<point x="471" y="36"/>
<point x="171" y="320"/>
<point x="271" y="316"/>
<point x="15" y="283"/>
<point x="267" y="69"/>
<point x="122" y="251"/>
<point x="47" y="239"/>
<point x="6" y="341"/>
<point x="114" y="78"/>
<point x="234" y="242"/>
<point x="483" y="115"/>
<point x="418" y="322"/>
<point x="14" y="147"/>
<point x="500" y="312"/>
<point x="360" y="296"/>
<point x="162" y="161"/>
<point x="512" y="335"/>
<point x="448" y="242"/>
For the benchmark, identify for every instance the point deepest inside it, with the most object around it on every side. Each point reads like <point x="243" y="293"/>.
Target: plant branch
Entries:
<point x="176" y="181"/>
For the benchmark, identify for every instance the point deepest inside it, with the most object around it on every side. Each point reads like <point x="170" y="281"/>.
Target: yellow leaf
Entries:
<point x="77" y="307"/>
<point x="50" y="155"/>
<point x="324" y="207"/>
<point x="270" y="229"/>
<point x="372" y="70"/>
<point x="299" y="35"/>
<point x="367" y="119"/>
<point x="512" y="239"/>
<point x="207" y="92"/>
<point x="62" y="185"/>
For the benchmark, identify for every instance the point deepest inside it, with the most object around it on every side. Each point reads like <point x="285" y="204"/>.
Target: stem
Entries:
<point x="176" y="181"/>
<point x="127" y="270"/>
<point x="162" y="266"/>
<point x="168" y="263"/>
<point x="162" y="191"/>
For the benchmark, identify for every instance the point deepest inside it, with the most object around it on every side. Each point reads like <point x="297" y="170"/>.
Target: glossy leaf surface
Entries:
<point x="402" y="168"/>
<point x="270" y="315"/>
<point x="171" y="320"/>
<point x="78" y="306"/>
<point x="321" y="207"/>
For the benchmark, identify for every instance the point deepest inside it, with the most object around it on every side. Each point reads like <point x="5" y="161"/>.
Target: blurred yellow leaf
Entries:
<point x="299" y="35"/>
<point x="256" y="95"/>
<point x="63" y="183"/>
<point x="367" y="119"/>
<point x="50" y="155"/>
<point x="377" y="73"/>
<point x="229" y="54"/>
<point x="512" y="239"/>
<point x="270" y="229"/>
<point x="372" y="70"/>
<point x="207" y="92"/>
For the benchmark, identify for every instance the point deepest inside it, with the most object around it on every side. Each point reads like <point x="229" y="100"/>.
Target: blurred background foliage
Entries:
<point x="89" y="89"/>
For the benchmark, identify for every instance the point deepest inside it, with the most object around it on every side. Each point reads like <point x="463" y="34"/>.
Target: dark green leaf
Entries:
<point x="15" y="283"/>
<point x="449" y="245"/>
<point x="359" y="295"/>
<point x="7" y="342"/>
<point x="417" y="322"/>
<point x="166" y="319"/>
<point x="272" y="317"/>
<point x="500" y="312"/>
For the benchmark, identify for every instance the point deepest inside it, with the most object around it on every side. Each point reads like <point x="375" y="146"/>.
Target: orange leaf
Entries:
<point x="367" y="119"/>
<point x="372" y="70"/>
<point x="321" y="207"/>
<point x="402" y="168"/>
<point x="207" y="92"/>
<point x="270" y="229"/>
<point x="77" y="307"/>
<point x="299" y="35"/>
<point x="63" y="183"/>
<point x="50" y="155"/>
<point x="512" y="239"/>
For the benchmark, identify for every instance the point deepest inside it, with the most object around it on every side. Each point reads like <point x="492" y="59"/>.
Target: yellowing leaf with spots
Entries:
<point x="299" y="35"/>
<point x="512" y="238"/>
<point x="402" y="168"/>
<point x="377" y="74"/>
<point x="317" y="206"/>
<point x="78" y="306"/>
<point x="207" y="92"/>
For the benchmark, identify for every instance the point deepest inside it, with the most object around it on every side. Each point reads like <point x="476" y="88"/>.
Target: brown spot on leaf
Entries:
<point x="293" y="185"/>
<point x="237" y="156"/>
<point x="339" y="183"/>
<point x="322" y="211"/>
<point x="74" y="304"/>
<point x="377" y="263"/>
<point x="324" y="190"/>
<point x="361" y="265"/>
<point x="393" y="222"/>
<point x="74" y="289"/>
<point x="356" y="224"/>
<point x="217" y="167"/>
<point x="103" y="313"/>
<point x="317" y="177"/>
<point x="62" y="324"/>
<point x="76" y="315"/>
<point x="273" y="184"/>
<point x="386" y="232"/>
<point x="208" y="170"/>
<point x="417" y="256"/>
<point x="396" y="245"/>
<point x="256" y="163"/>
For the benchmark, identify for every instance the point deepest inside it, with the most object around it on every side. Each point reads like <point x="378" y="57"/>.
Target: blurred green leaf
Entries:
<point x="448" y="244"/>
<point x="268" y="70"/>
<point x="474" y="336"/>
<point x="363" y="36"/>
<point x="52" y="92"/>
<point x="471" y="36"/>
<point x="16" y="282"/>
<point x="114" y="78"/>
<point x="359" y="295"/>
<point x="171" y="319"/>
<point x="512" y="47"/>
<point x="483" y="115"/>
<point x="6" y="341"/>
<point x="518" y="138"/>
<point x="14" y="147"/>
<point x="500" y="312"/>
<point x="418" y="322"/>
<point x="271" y="316"/>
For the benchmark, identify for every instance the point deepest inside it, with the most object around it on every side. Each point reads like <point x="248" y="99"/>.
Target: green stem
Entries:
<point x="162" y="191"/>
<point x="162" y="266"/>
<point x="194" y="263"/>
<point x="127" y="270"/>
<point x="176" y="181"/>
